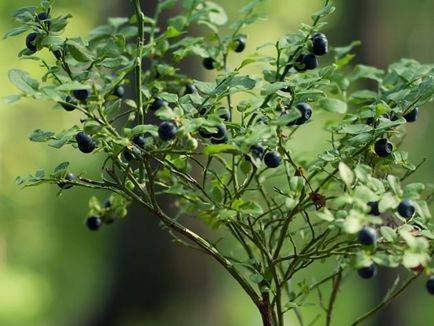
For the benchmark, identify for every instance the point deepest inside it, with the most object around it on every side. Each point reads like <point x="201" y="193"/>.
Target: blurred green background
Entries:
<point x="54" y="272"/>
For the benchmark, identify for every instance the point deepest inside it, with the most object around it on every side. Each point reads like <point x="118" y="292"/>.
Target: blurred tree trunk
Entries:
<point x="149" y="271"/>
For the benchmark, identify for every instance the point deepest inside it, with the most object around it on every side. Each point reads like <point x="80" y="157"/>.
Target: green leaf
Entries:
<point x="334" y="105"/>
<point x="366" y="72"/>
<point x="346" y="174"/>
<point x="355" y="129"/>
<point x="23" y="81"/>
<point x="219" y="148"/>
<point x="41" y="136"/>
<point x="79" y="52"/>
<point x="216" y="13"/>
<point x="388" y="233"/>
<point x="16" y="31"/>
<point x="325" y="11"/>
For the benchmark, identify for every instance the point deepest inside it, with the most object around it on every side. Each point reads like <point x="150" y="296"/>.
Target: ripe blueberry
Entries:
<point x="220" y="133"/>
<point x="208" y="63"/>
<point x="257" y="150"/>
<point x="81" y="94"/>
<point x="299" y="64"/>
<point x="406" y="209"/>
<point x="107" y="203"/>
<point x="85" y="142"/>
<point x="220" y="140"/>
<point x="412" y="115"/>
<point x="189" y="89"/>
<point x="367" y="236"/>
<point x="93" y="223"/>
<point x="139" y="141"/>
<point x="430" y="285"/>
<point x="127" y="155"/>
<point x="373" y="208"/>
<point x="157" y="104"/>
<point x="383" y="147"/>
<point x="310" y="61"/>
<point x="225" y="115"/>
<point x="30" y="41"/>
<point x="167" y="130"/>
<point x="70" y="104"/>
<point x="306" y="113"/>
<point x="119" y="91"/>
<point x="42" y="17"/>
<point x="272" y="159"/>
<point x="240" y="44"/>
<point x="367" y="272"/>
<point x="319" y="44"/>
<point x="65" y="185"/>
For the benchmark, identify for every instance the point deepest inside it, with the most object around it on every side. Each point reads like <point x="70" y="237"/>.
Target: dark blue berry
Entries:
<point x="107" y="203"/>
<point x="373" y="208"/>
<point x="406" y="209"/>
<point x="156" y="104"/>
<point x="430" y="285"/>
<point x="240" y="44"/>
<point x="119" y="91"/>
<point x="70" y="104"/>
<point x="167" y="130"/>
<point x="319" y="44"/>
<point x="299" y="64"/>
<point x="257" y="150"/>
<point x="310" y="61"/>
<point x="85" y="142"/>
<point x="81" y="94"/>
<point x="272" y="159"/>
<point x="220" y="140"/>
<point x="412" y="115"/>
<point x="383" y="147"/>
<point x="225" y="115"/>
<point x="127" y="155"/>
<point x="66" y="185"/>
<point x="93" y="223"/>
<point x="42" y="17"/>
<point x="305" y="111"/>
<point x="189" y="89"/>
<point x="208" y="63"/>
<point x="367" y="272"/>
<point x="367" y="236"/>
<point x="139" y="141"/>
<point x="30" y="41"/>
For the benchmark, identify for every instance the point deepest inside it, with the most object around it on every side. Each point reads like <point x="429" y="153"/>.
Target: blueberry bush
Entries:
<point x="223" y="147"/>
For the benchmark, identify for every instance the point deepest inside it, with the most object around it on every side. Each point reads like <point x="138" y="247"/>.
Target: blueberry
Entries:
<point x="406" y="209"/>
<point x="412" y="115"/>
<point x="383" y="147"/>
<point x="81" y="94"/>
<point x="42" y="17"/>
<point x="299" y="64"/>
<point x="240" y="44"/>
<point x="93" y="223"/>
<point x="85" y="142"/>
<point x="167" y="130"/>
<point x="70" y="104"/>
<point x="157" y="103"/>
<point x="319" y="44"/>
<point x="367" y="272"/>
<point x="272" y="159"/>
<point x="127" y="155"/>
<point x="220" y="133"/>
<point x="374" y="208"/>
<point x="139" y="141"/>
<point x="220" y="140"/>
<point x="208" y="63"/>
<point x="107" y="203"/>
<point x="306" y="113"/>
<point x="65" y="185"/>
<point x="30" y="41"/>
<point x="257" y="150"/>
<point x="310" y="61"/>
<point x="430" y="285"/>
<point x="189" y="89"/>
<point x="225" y="115"/>
<point x="367" y="236"/>
<point x="119" y="91"/>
